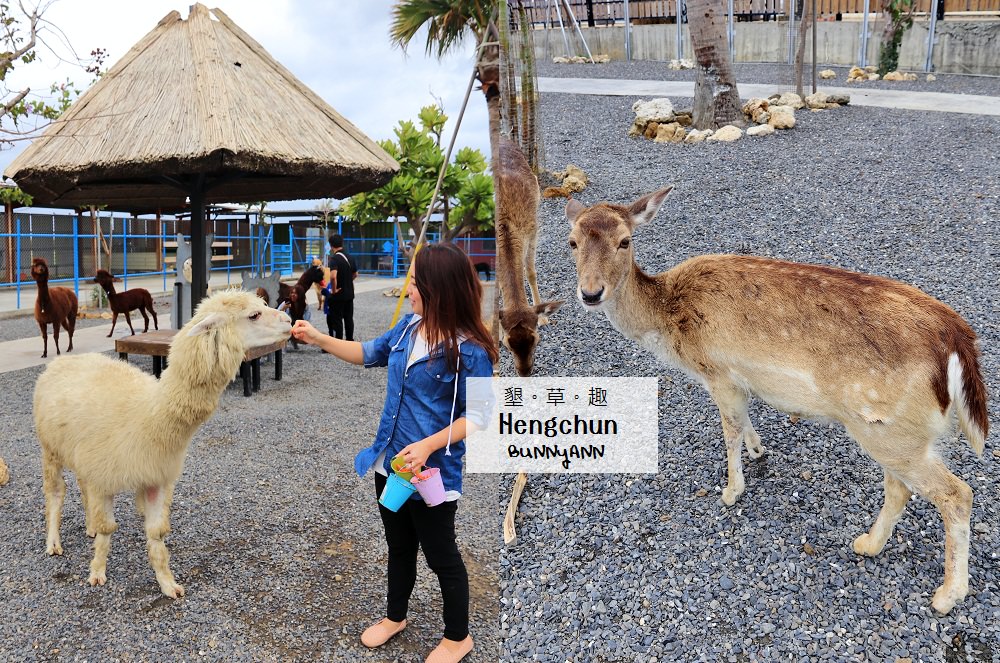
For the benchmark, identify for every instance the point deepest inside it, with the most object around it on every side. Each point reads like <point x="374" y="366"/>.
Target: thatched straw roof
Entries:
<point x="198" y="98"/>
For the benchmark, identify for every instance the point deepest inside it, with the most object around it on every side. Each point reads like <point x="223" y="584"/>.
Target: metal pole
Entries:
<point x="814" y="44"/>
<point x="628" y="37"/>
<point x="576" y="24"/>
<point x="929" y="63"/>
<point x="562" y="29"/>
<point x="680" y="31"/>
<point x="732" y="38"/>
<point x="863" y="55"/>
<point x="791" y="31"/>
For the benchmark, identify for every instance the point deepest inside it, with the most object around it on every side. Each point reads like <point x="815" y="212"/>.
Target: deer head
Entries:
<point x="601" y="240"/>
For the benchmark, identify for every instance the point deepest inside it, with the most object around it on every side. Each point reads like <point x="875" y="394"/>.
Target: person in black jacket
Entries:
<point x="340" y="295"/>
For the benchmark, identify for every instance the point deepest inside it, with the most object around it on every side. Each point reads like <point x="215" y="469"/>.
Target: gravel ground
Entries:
<point x="276" y="540"/>
<point x="650" y="568"/>
<point x="772" y="73"/>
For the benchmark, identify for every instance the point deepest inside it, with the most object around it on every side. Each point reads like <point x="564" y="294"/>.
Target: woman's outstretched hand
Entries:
<point x="305" y="332"/>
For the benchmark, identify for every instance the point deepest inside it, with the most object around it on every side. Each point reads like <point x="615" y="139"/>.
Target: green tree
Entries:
<point x="465" y="201"/>
<point x="449" y="23"/>
<point x="898" y="19"/>
<point x="21" y="34"/>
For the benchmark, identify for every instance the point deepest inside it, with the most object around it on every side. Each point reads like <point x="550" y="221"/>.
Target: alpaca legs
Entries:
<point x="156" y="325"/>
<point x="145" y="319"/>
<point x="114" y="321"/>
<point x="55" y="490"/>
<point x="128" y="319"/>
<point x="88" y="505"/>
<point x="45" y="339"/>
<point x="102" y="508"/>
<point x="156" y="501"/>
<point x="70" y="324"/>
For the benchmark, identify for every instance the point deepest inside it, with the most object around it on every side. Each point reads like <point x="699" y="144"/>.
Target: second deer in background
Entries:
<point x="517" y="235"/>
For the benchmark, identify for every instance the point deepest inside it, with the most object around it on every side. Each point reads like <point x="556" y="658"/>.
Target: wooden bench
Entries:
<point x="157" y="345"/>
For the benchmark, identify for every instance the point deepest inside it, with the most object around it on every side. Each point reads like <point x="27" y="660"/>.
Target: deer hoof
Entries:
<point x="945" y="598"/>
<point x="730" y="495"/>
<point x="863" y="545"/>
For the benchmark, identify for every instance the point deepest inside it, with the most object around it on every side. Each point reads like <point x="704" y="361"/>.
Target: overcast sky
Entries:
<point x="338" y="48"/>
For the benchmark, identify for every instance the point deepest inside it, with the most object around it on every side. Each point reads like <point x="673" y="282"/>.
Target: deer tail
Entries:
<point x="968" y="393"/>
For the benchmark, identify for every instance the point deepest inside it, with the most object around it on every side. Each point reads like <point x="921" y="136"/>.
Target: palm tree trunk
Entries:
<point x="716" y="99"/>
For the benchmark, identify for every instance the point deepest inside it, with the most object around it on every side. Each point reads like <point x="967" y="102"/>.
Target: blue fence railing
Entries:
<point x="131" y="248"/>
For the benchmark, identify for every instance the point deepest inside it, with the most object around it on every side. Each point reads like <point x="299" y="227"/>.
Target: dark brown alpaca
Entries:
<point x="313" y="274"/>
<point x="56" y="306"/>
<point x="123" y="302"/>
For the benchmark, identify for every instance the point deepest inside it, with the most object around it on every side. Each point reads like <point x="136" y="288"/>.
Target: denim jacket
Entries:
<point x="420" y="400"/>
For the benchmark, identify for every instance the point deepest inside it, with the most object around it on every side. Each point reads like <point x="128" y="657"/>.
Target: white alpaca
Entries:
<point x="120" y="429"/>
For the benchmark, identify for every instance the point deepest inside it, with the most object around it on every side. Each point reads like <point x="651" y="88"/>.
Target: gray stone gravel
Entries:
<point x="763" y="73"/>
<point x="275" y="539"/>
<point x="643" y="568"/>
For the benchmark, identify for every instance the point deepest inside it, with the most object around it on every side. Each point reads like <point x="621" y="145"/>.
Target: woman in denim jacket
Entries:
<point x="430" y="353"/>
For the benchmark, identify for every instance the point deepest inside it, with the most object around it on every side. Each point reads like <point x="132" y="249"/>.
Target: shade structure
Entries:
<point x="198" y="112"/>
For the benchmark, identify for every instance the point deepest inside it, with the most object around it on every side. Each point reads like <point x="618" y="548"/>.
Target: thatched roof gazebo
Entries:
<point x="198" y="112"/>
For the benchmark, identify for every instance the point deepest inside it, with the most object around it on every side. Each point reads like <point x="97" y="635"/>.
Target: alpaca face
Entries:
<point x="39" y="270"/>
<point x="246" y="315"/>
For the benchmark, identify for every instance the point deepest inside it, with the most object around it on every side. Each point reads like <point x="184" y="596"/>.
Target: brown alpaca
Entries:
<point x="128" y="300"/>
<point x="889" y="362"/>
<point x="313" y="274"/>
<point x="318" y="287"/>
<point x="56" y="306"/>
<point x="517" y="234"/>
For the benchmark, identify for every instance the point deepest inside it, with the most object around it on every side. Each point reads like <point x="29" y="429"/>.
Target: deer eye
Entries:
<point x="572" y="244"/>
<point x="624" y="244"/>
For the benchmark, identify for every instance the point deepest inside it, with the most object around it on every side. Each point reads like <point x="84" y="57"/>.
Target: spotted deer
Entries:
<point x="884" y="359"/>
<point x="517" y="234"/>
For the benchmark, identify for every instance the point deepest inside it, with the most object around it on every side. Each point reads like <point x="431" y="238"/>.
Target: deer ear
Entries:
<point x="210" y="322"/>
<point x="545" y="308"/>
<point x="573" y="209"/>
<point x="644" y="209"/>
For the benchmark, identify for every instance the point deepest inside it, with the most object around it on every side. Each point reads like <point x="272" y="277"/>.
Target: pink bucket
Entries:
<point x="429" y="485"/>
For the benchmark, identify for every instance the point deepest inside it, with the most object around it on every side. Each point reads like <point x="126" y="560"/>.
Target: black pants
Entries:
<point x="340" y="319"/>
<point x="433" y="529"/>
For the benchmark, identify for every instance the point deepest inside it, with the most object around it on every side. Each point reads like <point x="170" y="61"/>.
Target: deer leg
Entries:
<point x="953" y="498"/>
<point x="157" y="502"/>
<point x="732" y="402"/>
<point x="896" y="497"/>
<point x="54" y="487"/>
<point x="104" y="524"/>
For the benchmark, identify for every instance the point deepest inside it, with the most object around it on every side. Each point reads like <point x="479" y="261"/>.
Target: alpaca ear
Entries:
<point x="210" y="322"/>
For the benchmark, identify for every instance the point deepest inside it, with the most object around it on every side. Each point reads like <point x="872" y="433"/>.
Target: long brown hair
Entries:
<point x="453" y="298"/>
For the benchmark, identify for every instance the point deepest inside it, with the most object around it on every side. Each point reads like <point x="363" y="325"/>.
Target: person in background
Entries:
<point x="340" y="291"/>
<point x="430" y="354"/>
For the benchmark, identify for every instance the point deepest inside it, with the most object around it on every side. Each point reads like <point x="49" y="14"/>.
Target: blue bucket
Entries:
<point x="397" y="490"/>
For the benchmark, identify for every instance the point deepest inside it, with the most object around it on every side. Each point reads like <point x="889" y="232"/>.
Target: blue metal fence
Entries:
<point x="146" y="247"/>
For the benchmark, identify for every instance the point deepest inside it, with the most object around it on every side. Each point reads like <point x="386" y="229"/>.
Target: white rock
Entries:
<point x="789" y="99"/>
<point x="726" y="134"/>
<point x="827" y="74"/>
<point x="697" y="136"/>
<point x="782" y="117"/>
<point x="655" y="110"/>
<point x="760" y="130"/>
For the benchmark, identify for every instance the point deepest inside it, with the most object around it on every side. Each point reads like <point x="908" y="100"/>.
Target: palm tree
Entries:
<point x="716" y="100"/>
<point x="449" y="23"/>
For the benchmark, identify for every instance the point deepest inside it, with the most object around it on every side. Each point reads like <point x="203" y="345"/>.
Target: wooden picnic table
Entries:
<point x="157" y="344"/>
